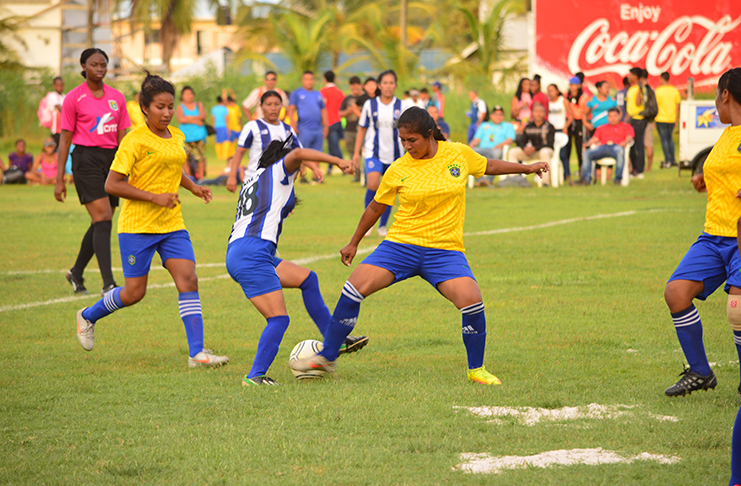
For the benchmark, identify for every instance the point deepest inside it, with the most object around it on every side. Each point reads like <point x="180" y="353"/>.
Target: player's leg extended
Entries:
<point x="465" y="294"/>
<point x="294" y="276"/>
<point x="273" y="307"/>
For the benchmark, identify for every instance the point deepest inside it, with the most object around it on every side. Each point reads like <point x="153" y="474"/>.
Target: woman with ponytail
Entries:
<point x="94" y="119"/>
<point x="425" y="240"/>
<point x="146" y="173"/>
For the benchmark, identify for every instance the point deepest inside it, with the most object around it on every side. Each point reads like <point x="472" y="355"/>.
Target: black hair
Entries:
<point x="19" y="141"/>
<point x="417" y="120"/>
<point x="58" y="78"/>
<point x="308" y="71"/>
<point x="329" y="76"/>
<point x="557" y="90"/>
<point x="614" y="109"/>
<point x="644" y="74"/>
<point x="276" y="151"/>
<point x="219" y="99"/>
<point x="581" y="76"/>
<point x="229" y="98"/>
<point x="86" y="55"/>
<point x="518" y="93"/>
<point x="151" y="87"/>
<point x="598" y="84"/>
<point x="380" y="78"/>
<point x="636" y="71"/>
<point x="369" y="80"/>
<point x="537" y="78"/>
<point x="269" y="94"/>
<point x="185" y="88"/>
<point x="271" y="72"/>
<point x="731" y="81"/>
<point x="626" y="82"/>
<point x="423" y="90"/>
<point x="665" y="76"/>
<point x="406" y="93"/>
<point x="355" y="80"/>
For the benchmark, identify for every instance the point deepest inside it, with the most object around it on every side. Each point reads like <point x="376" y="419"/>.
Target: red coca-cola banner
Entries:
<point x="604" y="39"/>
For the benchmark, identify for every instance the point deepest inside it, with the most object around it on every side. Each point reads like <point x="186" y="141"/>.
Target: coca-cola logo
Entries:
<point x="596" y="50"/>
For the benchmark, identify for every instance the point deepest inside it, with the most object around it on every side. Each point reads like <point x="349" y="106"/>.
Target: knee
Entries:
<point x="733" y="310"/>
<point x="676" y="297"/>
<point x="130" y="295"/>
<point x="189" y="283"/>
<point x="310" y="281"/>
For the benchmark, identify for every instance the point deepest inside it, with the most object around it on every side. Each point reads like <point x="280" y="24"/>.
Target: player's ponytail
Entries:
<point x="417" y="120"/>
<point x="731" y="81"/>
<point x="276" y="151"/>
<point x="151" y="87"/>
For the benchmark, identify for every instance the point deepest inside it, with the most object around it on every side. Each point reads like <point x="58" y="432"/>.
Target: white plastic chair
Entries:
<point x="606" y="162"/>
<point x="559" y="142"/>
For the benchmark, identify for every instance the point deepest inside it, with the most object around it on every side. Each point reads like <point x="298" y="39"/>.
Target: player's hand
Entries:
<point x="319" y="175"/>
<point x="538" y="168"/>
<point x="60" y="191"/>
<point x="356" y="161"/>
<point x="348" y="253"/>
<point x="347" y="166"/>
<point x="231" y="183"/>
<point x="202" y="192"/>
<point x="698" y="182"/>
<point x="167" y="200"/>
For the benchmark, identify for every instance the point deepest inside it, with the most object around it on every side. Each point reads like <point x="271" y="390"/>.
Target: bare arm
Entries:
<point x="359" y="141"/>
<point x="501" y="167"/>
<point x="475" y="142"/>
<point x="290" y="113"/>
<point x="367" y="220"/>
<point x="117" y="185"/>
<point x="231" y="182"/>
<point x="515" y="107"/>
<point x="121" y="134"/>
<point x="294" y="159"/>
<point x="198" y="191"/>
<point x="65" y="140"/>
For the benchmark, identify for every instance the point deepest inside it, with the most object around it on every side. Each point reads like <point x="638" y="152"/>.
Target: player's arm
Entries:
<point x="297" y="156"/>
<point x="117" y="185"/>
<point x="198" y="191"/>
<point x="325" y="123"/>
<point x="290" y="113"/>
<point x="121" y="134"/>
<point x="236" y="161"/>
<point x="501" y="167"/>
<point x="367" y="221"/>
<point x="65" y="140"/>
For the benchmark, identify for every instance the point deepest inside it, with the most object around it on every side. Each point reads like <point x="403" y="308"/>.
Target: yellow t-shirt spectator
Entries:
<point x="135" y="113"/>
<point x="630" y="103"/>
<point x="667" y="97"/>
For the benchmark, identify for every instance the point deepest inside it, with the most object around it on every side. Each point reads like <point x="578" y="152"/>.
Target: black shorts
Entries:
<point x="90" y="167"/>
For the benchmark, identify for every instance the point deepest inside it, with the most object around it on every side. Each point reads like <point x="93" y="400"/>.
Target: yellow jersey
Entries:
<point x="155" y="165"/>
<point x="722" y="171"/>
<point x="432" y="196"/>
<point x="234" y="118"/>
<point x="135" y="113"/>
<point x="631" y="106"/>
<point x="667" y="97"/>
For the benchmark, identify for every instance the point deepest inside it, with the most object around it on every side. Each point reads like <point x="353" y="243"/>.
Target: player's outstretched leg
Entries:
<point x="88" y="316"/>
<point x="698" y="376"/>
<point x="474" y="338"/>
<point x="267" y="349"/>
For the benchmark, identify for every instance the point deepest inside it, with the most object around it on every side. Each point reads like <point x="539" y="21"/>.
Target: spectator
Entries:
<point x="219" y="115"/>
<point x="476" y="114"/>
<point x="44" y="170"/>
<point x="53" y="109"/>
<point x="252" y="102"/>
<point x="584" y="87"/>
<point x="19" y="165"/>
<point x="535" y="143"/>
<point x="597" y="107"/>
<point x="538" y="96"/>
<point x="333" y="98"/>
<point x="620" y="100"/>
<point x="634" y="106"/>
<point x="424" y="97"/>
<point x="578" y="103"/>
<point x="233" y="121"/>
<point x="370" y="88"/>
<point x="441" y="125"/>
<point x="416" y="99"/>
<point x="560" y="117"/>
<point x="135" y="112"/>
<point x="667" y="99"/>
<point x="648" y="137"/>
<point x="491" y="137"/>
<point x="610" y="139"/>
<point x="521" y="102"/>
<point x="192" y="119"/>
<point x="350" y="111"/>
<point x="312" y="125"/>
<point x="439" y="100"/>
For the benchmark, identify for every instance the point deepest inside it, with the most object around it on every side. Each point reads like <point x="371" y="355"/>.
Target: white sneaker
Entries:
<point x="85" y="331"/>
<point x="369" y="232"/>
<point x="208" y="359"/>
<point x="640" y="176"/>
<point x="382" y="231"/>
<point x="316" y="362"/>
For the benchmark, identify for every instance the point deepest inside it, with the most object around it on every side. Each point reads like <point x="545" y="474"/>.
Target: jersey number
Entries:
<point x="247" y="201"/>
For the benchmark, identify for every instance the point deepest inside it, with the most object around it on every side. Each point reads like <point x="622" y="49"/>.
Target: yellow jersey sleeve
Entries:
<point x="126" y="154"/>
<point x="476" y="162"/>
<point x="722" y="171"/>
<point x="386" y="193"/>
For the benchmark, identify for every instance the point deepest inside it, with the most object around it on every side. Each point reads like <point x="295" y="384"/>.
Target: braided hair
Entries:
<point x="86" y="55"/>
<point x="418" y="121"/>
<point x="151" y="87"/>
<point x="276" y="151"/>
<point x="731" y="81"/>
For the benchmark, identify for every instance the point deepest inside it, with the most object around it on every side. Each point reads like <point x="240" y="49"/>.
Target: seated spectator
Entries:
<point x="535" y="143"/>
<point x="491" y="137"/>
<point x="44" y="170"/>
<point x="221" y="179"/>
<point x="19" y="164"/>
<point x="435" y="114"/>
<point x="614" y="137"/>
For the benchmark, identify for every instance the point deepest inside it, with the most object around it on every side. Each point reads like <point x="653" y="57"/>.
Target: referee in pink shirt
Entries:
<point x="94" y="119"/>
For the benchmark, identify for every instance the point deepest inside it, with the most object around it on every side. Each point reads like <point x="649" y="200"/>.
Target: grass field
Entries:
<point x="575" y="317"/>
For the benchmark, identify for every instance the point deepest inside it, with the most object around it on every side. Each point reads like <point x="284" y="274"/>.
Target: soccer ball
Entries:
<point x="306" y="349"/>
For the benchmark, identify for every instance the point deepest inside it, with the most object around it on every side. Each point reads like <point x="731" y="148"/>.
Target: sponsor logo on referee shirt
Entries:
<point x="100" y="126"/>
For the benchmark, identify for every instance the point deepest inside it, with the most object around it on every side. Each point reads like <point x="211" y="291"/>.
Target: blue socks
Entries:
<point x="268" y="346"/>
<point x="369" y="195"/>
<point x="689" y="331"/>
<point x="109" y="304"/>
<point x="190" y="313"/>
<point x="314" y="302"/>
<point x="736" y="452"/>
<point x="474" y="334"/>
<point x="343" y="321"/>
<point x="737" y="342"/>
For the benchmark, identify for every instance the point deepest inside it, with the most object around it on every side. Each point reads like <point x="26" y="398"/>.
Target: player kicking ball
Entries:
<point x="265" y="201"/>
<point x="147" y="172"/>
<point x="426" y="240"/>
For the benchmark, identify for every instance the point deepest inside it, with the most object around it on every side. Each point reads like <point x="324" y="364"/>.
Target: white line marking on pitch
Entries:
<point x="488" y="464"/>
<point x="530" y="416"/>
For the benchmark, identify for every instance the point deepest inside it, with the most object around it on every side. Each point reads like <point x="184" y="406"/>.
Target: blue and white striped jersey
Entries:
<point x="256" y="136"/>
<point x="266" y="199"/>
<point x="382" y="138"/>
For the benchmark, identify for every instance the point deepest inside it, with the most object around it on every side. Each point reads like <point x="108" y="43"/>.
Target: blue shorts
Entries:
<point x="222" y="134"/>
<point x="234" y="135"/>
<point x="312" y="139"/>
<point x="432" y="264"/>
<point x="375" y="165"/>
<point x="711" y="260"/>
<point x="251" y="262"/>
<point x="137" y="250"/>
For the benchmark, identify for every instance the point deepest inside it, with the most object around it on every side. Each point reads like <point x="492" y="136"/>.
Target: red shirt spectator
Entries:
<point x="614" y="133"/>
<point x="333" y="97"/>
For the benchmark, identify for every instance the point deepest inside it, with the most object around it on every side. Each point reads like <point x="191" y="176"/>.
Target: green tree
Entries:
<point x="9" y="25"/>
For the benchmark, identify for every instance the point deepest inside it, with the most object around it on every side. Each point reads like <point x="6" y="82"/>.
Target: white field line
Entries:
<point x="487" y="464"/>
<point x="311" y="259"/>
<point x="530" y="416"/>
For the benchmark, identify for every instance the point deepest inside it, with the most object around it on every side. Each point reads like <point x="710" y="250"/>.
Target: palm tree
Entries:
<point x="8" y="27"/>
